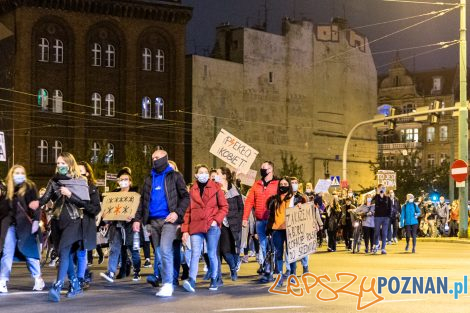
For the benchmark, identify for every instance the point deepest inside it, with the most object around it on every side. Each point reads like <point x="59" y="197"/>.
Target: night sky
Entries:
<point x="207" y="14"/>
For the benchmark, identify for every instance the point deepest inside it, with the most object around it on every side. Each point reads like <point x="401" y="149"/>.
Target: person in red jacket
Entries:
<point x="257" y="197"/>
<point x="203" y="220"/>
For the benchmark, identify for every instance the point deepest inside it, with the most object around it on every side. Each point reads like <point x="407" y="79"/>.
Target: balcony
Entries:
<point x="400" y="146"/>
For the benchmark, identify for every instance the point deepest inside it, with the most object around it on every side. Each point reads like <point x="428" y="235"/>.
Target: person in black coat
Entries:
<point x="20" y="226"/>
<point x="230" y="236"/>
<point x="3" y="212"/>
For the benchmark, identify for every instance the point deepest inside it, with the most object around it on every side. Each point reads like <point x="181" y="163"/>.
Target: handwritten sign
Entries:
<point x="119" y="206"/>
<point x="322" y="185"/>
<point x="387" y="178"/>
<point x="233" y="151"/>
<point x="3" y="150"/>
<point x="248" y="178"/>
<point x="301" y="230"/>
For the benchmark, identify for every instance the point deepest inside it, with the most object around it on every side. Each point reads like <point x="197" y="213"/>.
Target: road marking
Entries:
<point x="261" y="308"/>
<point x="22" y="293"/>
<point x="403" y="300"/>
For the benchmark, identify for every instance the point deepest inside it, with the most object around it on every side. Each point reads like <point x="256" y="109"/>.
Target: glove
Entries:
<point x="35" y="227"/>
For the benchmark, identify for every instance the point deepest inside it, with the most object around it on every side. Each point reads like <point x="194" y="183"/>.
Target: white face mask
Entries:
<point x="202" y="178"/>
<point x="308" y="190"/>
<point x="124" y="184"/>
<point x="369" y="200"/>
<point x="391" y="195"/>
<point x="295" y="187"/>
<point x="218" y="179"/>
<point x="350" y="195"/>
<point x="18" y="179"/>
<point x="411" y="200"/>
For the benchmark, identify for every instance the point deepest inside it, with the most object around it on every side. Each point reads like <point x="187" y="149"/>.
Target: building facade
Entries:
<point x="95" y="78"/>
<point x="299" y="94"/>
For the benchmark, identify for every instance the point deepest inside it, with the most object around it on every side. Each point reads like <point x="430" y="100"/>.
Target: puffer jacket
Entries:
<point x="409" y="214"/>
<point x="257" y="198"/>
<point x="203" y="211"/>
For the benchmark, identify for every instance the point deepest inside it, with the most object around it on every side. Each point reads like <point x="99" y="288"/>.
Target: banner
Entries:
<point x="3" y="150"/>
<point x="119" y="206"/>
<point x="233" y="151"/>
<point x="301" y="230"/>
<point x="387" y="178"/>
<point x="322" y="185"/>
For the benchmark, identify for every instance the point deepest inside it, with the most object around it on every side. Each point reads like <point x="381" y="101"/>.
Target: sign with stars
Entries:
<point x="119" y="206"/>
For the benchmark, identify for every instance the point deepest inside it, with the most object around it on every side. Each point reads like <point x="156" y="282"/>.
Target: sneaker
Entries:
<point x="233" y="275"/>
<point x="147" y="263"/>
<point x="251" y="254"/>
<point x="407" y="247"/>
<point x="206" y="268"/>
<point x="38" y="284"/>
<point x="366" y="251"/>
<point x="74" y="288"/>
<point x="153" y="280"/>
<point x="54" y="292"/>
<point x="189" y="285"/>
<point x="245" y="259"/>
<point x="214" y="284"/>
<point x="52" y="263"/>
<point x="305" y="269"/>
<point x="239" y="263"/>
<point x="220" y="282"/>
<point x="413" y="251"/>
<point x="383" y="251"/>
<point x="280" y="282"/>
<point x="101" y="259"/>
<point x="260" y="269"/>
<point x="109" y="276"/>
<point x="136" y="276"/>
<point x="165" y="291"/>
<point x="3" y="286"/>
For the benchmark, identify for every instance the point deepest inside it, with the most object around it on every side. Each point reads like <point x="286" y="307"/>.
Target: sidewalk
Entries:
<point x="445" y="239"/>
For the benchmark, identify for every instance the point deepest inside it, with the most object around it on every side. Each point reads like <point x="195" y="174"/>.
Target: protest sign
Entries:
<point x="119" y="206"/>
<point x="233" y="151"/>
<point x="322" y="185"/>
<point x="301" y="230"/>
<point x="388" y="179"/>
<point x="249" y="178"/>
<point x="3" y="150"/>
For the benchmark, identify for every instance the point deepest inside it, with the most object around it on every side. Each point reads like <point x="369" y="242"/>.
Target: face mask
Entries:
<point x="295" y="187"/>
<point x="18" y="179"/>
<point x="63" y="169"/>
<point x="369" y="200"/>
<point x="308" y="190"/>
<point x="218" y="179"/>
<point x="124" y="184"/>
<point x="350" y="195"/>
<point x="392" y="195"/>
<point x="382" y="191"/>
<point x="161" y="164"/>
<point x="283" y="189"/>
<point x="263" y="172"/>
<point x="336" y="197"/>
<point x="442" y="201"/>
<point x="203" y="178"/>
<point x="411" y="200"/>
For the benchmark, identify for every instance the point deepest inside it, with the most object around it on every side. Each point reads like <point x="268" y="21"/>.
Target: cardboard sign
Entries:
<point x="248" y="178"/>
<point x="322" y="185"/>
<point x="3" y="149"/>
<point x="119" y="206"/>
<point x="233" y="151"/>
<point x="387" y="178"/>
<point x="301" y="230"/>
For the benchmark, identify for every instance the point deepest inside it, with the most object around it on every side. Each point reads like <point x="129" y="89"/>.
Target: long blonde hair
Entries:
<point x="11" y="184"/>
<point x="69" y="159"/>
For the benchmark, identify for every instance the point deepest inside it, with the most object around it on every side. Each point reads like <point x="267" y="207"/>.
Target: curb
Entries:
<point x="445" y="240"/>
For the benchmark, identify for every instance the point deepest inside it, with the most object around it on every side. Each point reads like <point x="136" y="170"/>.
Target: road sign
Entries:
<point x="335" y="181"/>
<point x="459" y="170"/>
<point x="3" y="151"/>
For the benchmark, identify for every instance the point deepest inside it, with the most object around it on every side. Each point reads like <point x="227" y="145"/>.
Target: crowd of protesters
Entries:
<point x="211" y="217"/>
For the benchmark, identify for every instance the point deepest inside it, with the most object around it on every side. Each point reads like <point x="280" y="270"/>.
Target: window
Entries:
<point x="109" y="157"/>
<point x="436" y="84"/>
<point x="411" y="135"/>
<point x="159" y="61"/>
<point x="408" y="108"/>
<point x="147" y="59"/>
<point x="96" y="101"/>
<point x="43" y="151"/>
<point x="43" y="98"/>
<point x="444" y="158"/>
<point x="431" y="161"/>
<point x="430" y="134"/>
<point x="146" y="107"/>
<point x="396" y="81"/>
<point x="443" y="133"/>
<point x="57" y="101"/>
<point x="43" y="50"/>
<point x="109" y="105"/>
<point x="270" y="78"/>
<point x="57" y="149"/>
<point x="159" y="105"/>
<point x="96" y="51"/>
<point x="110" y="56"/>
<point x="58" y="51"/>
<point x="95" y="150"/>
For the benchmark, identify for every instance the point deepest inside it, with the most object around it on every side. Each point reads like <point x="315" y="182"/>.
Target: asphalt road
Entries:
<point x="246" y="295"/>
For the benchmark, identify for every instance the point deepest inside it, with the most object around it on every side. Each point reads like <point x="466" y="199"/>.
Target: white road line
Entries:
<point x="261" y="308"/>
<point x="402" y="300"/>
<point x="22" y="293"/>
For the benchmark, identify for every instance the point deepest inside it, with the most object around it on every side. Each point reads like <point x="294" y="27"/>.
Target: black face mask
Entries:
<point x="161" y="164"/>
<point x="283" y="189"/>
<point x="263" y="172"/>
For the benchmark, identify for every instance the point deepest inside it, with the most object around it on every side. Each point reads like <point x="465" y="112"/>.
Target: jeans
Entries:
<point x="163" y="234"/>
<point x="212" y="238"/>
<point x="381" y="229"/>
<point x="279" y="240"/>
<point x="157" y="262"/>
<point x="114" y="251"/>
<point x="135" y="255"/>
<point x="261" y="231"/>
<point x="66" y="255"/>
<point x="392" y="229"/>
<point x="8" y="254"/>
<point x="81" y="263"/>
<point x="176" y="259"/>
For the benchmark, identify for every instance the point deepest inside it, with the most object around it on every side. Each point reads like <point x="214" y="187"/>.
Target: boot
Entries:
<point x="54" y="292"/>
<point x="84" y="285"/>
<point x="74" y="288"/>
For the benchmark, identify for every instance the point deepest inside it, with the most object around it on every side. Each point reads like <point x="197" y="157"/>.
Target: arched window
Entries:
<point x="443" y="133"/>
<point x="43" y="50"/>
<point x="110" y="103"/>
<point x="430" y="134"/>
<point x="95" y="150"/>
<point x="109" y="157"/>
<point x="43" y="98"/>
<point x="57" y="149"/>
<point x="96" y="102"/>
<point x="57" y="101"/>
<point x="159" y="61"/>
<point x="96" y="54"/>
<point x="58" y="51"/>
<point x="147" y="59"/>
<point x="146" y="107"/>
<point x="110" y="56"/>
<point x="159" y="108"/>
<point x="43" y="151"/>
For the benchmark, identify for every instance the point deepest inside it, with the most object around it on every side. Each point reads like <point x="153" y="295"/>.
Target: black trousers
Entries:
<point x="368" y="233"/>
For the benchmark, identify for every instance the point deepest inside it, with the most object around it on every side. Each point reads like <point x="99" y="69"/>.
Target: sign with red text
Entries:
<point x="233" y="151"/>
<point x="120" y="206"/>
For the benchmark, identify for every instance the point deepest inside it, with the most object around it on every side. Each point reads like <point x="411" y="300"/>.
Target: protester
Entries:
<point x="346" y="222"/>
<point x="20" y="226"/>
<point x="392" y="231"/>
<point x="333" y="215"/>
<point x="69" y="191"/>
<point x="442" y="211"/>
<point x="366" y="211"/>
<point x="454" y="218"/>
<point x="309" y="192"/>
<point x="409" y="214"/>
<point x="202" y="220"/>
<point x="257" y="198"/>
<point x="381" y="218"/>
<point x="299" y="199"/>
<point x="163" y="203"/>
